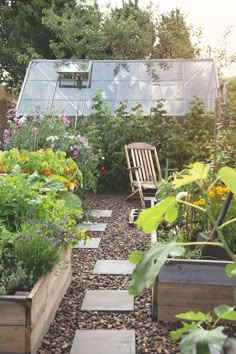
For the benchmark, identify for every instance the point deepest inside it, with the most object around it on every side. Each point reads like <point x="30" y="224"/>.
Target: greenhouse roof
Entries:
<point x="68" y="86"/>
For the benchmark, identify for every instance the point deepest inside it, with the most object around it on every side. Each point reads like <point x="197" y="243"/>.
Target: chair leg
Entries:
<point x="132" y="194"/>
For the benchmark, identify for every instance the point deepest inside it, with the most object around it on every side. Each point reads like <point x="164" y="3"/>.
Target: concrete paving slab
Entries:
<point x="104" y="341"/>
<point x="113" y="267"/>
<point x="108" y="300"/>
<point x="101" y="213"/>
<point x="92" y="243"/>
<point x="100" y="227"/>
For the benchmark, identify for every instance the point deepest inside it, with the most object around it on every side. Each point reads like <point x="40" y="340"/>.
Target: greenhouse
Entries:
<point x="69" y="86"/>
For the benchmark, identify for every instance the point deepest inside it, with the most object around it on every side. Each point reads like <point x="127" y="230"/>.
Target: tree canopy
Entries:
<point x="79" y="29"/>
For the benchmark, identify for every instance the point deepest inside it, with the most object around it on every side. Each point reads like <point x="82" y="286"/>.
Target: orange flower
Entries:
<point x="26" y="170"/>
<point x="47" y="172"/>
<point x="66" y="170"/>
<point x="67" y="185"/>
<point x="40" y="171"/>
<point x="45" y="151"/>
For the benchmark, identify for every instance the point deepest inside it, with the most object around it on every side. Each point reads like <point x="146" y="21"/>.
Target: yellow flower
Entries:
<point x="219" y="190"/>
<point x="223" y="198"/>
<point x="195" y="203"/>
<point x="211" y="194"/>
<point x="201" y="201"/>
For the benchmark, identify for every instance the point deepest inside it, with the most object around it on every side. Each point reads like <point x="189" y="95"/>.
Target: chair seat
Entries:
<point x="145" y="185"/>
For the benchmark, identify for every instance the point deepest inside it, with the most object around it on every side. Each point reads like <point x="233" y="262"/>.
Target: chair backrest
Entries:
<point x="145" y="157"/>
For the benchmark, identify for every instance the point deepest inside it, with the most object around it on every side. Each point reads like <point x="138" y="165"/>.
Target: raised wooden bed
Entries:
<point x="24" y="320"/>
<point x="185" y="285"/>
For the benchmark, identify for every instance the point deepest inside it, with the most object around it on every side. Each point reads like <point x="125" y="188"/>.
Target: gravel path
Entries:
<point x="117" y="242"/>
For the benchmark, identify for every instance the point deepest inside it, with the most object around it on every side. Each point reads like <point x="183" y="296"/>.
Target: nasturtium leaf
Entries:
<point x="225" y="312"/>
<point x="214" y="337"/>
<point x="145" y="273"/>
<point x="149" y="219"/>
<point x="34" y="178"/>
<point x="228" y="176"/>
<point x="230" y="270"/>
<point x="135" y="257"/>
<point x="176" y="335"/>
<point x="71" y="200"/>
<point x="192" y="316"/>
<point x="53" y="185"/>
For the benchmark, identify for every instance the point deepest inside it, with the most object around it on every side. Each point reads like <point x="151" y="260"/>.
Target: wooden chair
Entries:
<point x="144" y="170"/>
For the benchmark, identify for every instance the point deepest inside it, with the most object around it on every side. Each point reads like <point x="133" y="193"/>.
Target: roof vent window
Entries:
<point x="75" y="74"/>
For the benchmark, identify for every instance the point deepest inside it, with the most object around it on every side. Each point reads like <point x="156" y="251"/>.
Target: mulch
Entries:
<point x="117" y="242"/>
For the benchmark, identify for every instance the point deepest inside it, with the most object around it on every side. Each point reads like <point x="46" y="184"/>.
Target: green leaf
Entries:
<point x="197" y="172"/>
<point x="171" y="214"/>
<point x="192" y="316"/>
<point x="214" y="337"/>
<point x="15" y="170"/>
<point x="225" y="312"/>
<point x="71" y="200"/>
<point x="145" y="273"/>
<point x="176" y="335"/>
<point x="177" y="252"/>
<point x="53" y="185"/>
<point x="149" y="219"/>
<point x="230" y="270"/>
<point x="135" y="257"/>
<point x="228" y="176"/>
<point x="34" y="178"/>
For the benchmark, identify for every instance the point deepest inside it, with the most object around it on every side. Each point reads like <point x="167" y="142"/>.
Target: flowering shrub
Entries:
<point x="47" y="163"/>
<point x="51" y="132"/>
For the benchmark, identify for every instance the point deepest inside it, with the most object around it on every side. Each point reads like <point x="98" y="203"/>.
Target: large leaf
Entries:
<point x="230" y="270"/>
<point x="197" y="172"/>
<point x="192" y="316"/>
<point x="176" y="335"/>
<point x="33" y="178"/>
<point x="145" y="273"/>
<point x="228" y="176"/>
<point x="225" y="312"/>
<point x="214" y="337"/>
<point x="135" y="257"/>
<point x="149" y="219"/>
<point x="53" y="185"/>
<point x="71" y="200"/>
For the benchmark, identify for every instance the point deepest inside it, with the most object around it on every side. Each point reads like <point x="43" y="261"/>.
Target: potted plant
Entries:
<point x="200" y="287"/>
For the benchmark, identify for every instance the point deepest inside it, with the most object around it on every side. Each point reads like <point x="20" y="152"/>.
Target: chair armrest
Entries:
<point x="134" y="168"/>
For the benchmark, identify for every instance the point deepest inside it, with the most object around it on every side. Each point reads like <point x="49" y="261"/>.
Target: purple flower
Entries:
<point x="76" y="152"/>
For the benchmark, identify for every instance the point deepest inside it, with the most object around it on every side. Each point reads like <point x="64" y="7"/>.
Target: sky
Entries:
<point x="213" y="17"/>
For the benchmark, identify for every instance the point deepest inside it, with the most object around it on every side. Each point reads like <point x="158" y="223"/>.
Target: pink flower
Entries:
<point x="76" y="152"/>
<point x="231" y="122"/>
<point x="34" y="129"/>
<point x="65" y="120"/>
<point x="52" y="146"/>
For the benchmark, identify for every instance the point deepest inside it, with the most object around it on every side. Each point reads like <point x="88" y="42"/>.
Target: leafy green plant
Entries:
<point x="149" y="263"/>
<point x="203" y="331"/>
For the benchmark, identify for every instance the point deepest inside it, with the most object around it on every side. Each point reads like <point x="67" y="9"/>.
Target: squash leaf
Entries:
<point x="145" y="273"/>
<point x="149" y="219"/>
<point x="228" y="176"/>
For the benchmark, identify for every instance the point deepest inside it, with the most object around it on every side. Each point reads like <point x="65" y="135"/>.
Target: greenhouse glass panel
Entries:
<point x="69" y="86"/>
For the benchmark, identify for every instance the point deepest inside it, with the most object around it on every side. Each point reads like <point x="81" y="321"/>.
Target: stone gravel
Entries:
<point x="118" y="240"/>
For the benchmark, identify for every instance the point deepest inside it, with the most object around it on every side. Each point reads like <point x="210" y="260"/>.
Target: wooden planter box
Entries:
<point x="185" y="285"/>
<point x="24" y="320"/>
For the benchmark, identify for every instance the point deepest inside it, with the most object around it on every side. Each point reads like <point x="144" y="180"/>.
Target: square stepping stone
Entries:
<point x="92" y="243"/>
<point x="93" y="227"/>
<point x="104" y="341"/>
<point x="108" y="300"/>
<point x="101" y="213"/>
<point x="113" y="267"/>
